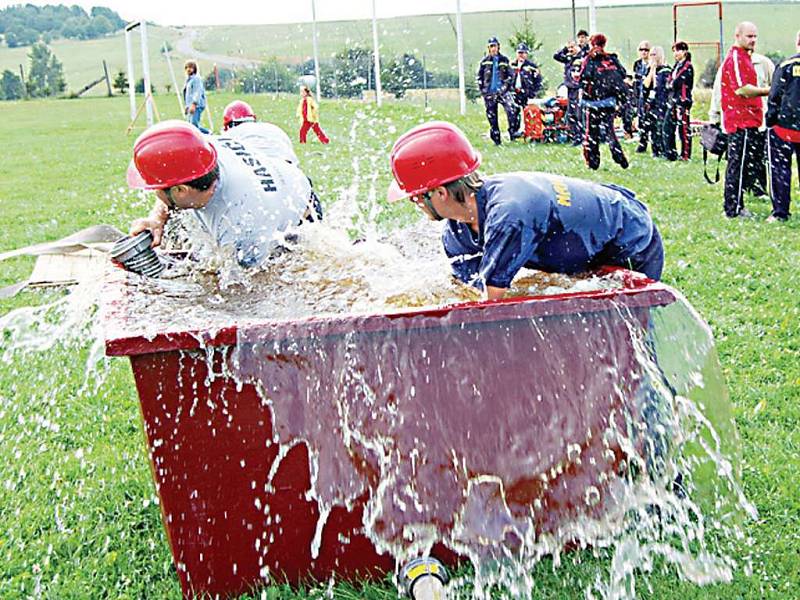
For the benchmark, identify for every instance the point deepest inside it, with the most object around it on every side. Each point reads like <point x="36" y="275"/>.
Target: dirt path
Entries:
<point x="185" y="47"/>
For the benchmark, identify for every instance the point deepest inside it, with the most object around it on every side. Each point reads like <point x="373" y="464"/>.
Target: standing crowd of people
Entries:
<point x="246" y="186"/>
<point x="757" y="111"/>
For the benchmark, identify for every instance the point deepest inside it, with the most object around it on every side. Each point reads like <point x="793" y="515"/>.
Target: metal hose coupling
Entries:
<point x="424" y="579"/>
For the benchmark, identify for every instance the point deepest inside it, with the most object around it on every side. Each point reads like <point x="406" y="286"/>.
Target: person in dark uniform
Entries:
<point x="627" y="108"/>
<point x="783" y="118"/>
<point x="494" y="82"/>
<point x="602" y="80"/>
<point x="571" y="56"/>
<point x="679" y="85"/>
<point x="526" y="81"/>
<point x="655" y="85"/>
<point x="640" y="67"/>
<point x="497" y="225"/>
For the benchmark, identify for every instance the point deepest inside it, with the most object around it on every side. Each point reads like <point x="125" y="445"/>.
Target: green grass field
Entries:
<point x="78" y="517"/>
<point x="430" y="35"/>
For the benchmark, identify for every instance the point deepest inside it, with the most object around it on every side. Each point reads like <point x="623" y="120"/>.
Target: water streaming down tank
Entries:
<point x="497" y="433"/>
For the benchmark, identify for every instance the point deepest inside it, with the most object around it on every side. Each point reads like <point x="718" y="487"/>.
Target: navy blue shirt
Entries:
<point x="545" y="222"/>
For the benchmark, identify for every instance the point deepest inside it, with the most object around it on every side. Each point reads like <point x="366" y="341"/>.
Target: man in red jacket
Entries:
<point x="742" y="113"/>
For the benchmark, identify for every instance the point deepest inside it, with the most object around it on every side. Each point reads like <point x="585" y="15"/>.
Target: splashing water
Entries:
<point x="500" y="434"/>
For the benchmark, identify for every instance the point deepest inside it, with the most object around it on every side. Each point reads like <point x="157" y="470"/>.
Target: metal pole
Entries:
<point x="174" y="81"/>
<point x="146" y="71"/>
<point x="425" y="81"/>
<point x="131" y="76"/>
<point x="462" y="92"/>
<point x="574" y="20"/>
<point x="377" y="60"/>
<point x="24" y="85"/>
<point x="592" y="17"/>
<point x="316" y="52"/>
<point x="108" y="81"/>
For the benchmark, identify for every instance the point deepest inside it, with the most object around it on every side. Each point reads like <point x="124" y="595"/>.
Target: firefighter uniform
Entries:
<point x="526" y="81"/>
<point x="554" y="224"/>
<point x="655" y="109"/>
<point x="783" y="117"/>
<point x="679" y="87"/>
<point x="572" y="66"/>
<point x="603" y="82"/>
<point x="494" y="82"/>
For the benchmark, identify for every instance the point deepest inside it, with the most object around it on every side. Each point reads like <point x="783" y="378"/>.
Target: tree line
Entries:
<point x="24" y="25"/>
<point x="45" y="77"/>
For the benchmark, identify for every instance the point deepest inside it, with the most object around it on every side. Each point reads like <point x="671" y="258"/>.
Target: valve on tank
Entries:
<point x="424" y="579"/>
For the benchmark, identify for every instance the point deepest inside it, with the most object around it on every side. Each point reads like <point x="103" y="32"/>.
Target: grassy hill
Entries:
<point x="429" y="35"/>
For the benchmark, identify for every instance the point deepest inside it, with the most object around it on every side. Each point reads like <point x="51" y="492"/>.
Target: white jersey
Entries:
<point x="256" y="198"/>
<point x="269" y="139"/>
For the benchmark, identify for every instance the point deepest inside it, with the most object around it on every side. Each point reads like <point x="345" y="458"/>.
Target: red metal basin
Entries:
<point x="475" y="409"/>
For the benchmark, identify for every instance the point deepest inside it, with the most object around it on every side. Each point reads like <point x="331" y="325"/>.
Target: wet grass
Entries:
<point x="78" y="514"/>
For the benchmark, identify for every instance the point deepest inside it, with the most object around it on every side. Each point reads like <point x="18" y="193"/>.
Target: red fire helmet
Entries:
<point x="237" y="112"/>
<point x="170" y="153"/>
<point x="428" y="156"/>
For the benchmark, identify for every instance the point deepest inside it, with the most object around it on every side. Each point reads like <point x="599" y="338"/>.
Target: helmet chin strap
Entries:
<point x="427" y="200"/>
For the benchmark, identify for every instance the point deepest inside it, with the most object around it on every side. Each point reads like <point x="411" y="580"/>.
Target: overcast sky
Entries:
<point x="282" y="11"/>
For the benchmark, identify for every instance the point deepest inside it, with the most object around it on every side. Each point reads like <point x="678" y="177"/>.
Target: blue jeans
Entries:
<point x="194" y="118"/>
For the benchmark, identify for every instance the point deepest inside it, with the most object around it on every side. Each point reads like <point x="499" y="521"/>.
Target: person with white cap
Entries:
<point x="243" y="198"/>
<point x="497" y="225"/>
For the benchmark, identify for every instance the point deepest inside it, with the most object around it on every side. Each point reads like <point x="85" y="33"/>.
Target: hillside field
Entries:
<point x="430" y="36"/>
<point x="79" y="517"/>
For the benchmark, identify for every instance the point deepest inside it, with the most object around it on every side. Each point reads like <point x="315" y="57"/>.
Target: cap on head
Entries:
<point x="430" y="155"/>
<point x="237" y="112"/>
<point x="170" y="153"/>
<point x="492" y="41"/>
<point x="523" y="47"/>
<point x="598" y="40"/>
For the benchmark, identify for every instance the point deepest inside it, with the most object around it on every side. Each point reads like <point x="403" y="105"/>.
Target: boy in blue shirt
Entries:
<point x="500" y="224"/>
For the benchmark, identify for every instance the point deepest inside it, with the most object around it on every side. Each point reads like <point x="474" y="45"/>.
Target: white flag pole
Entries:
<point x="462" y="94"/>
<point x="378" y="95"/>
<point x="316" y="52"/>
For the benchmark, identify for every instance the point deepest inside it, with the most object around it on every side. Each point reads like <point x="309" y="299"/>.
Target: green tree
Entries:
<point x="524" y="33"/>
<point x="139" y="87"/>
<point x="46" y="74"/>
<point x="120" y="82"/>
<point x="11" y="86"/>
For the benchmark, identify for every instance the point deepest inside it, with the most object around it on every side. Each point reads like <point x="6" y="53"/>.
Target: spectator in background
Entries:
<point x="525" y="76"/>
<point x="627" y="108"/>
<point x="640" y="67"/>
<point x="582" y="37"/>
<point x="494" y="82"/>
<point x="655" y="86"/>
<point x="742" y="115"/>
<point x="783" y="118"/>
<point x="604" y="88"/>
<point x="755" y="175"/>
<point x="308" y="111"/>
<point x="194" y="95"/>
<point x="680" y="84"/>
<point x="571" y="56"/>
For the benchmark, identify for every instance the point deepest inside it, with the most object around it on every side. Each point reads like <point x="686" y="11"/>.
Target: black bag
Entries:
<point x="714" y="141"/>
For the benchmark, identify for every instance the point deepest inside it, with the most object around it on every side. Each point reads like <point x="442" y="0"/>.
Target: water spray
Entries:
<point x="424" y="579"/>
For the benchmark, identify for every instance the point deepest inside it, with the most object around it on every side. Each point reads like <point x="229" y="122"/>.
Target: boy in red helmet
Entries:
<point x="239" y="122"/>
<point x="498" y="225"/>
<point x="243" y="198"/>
